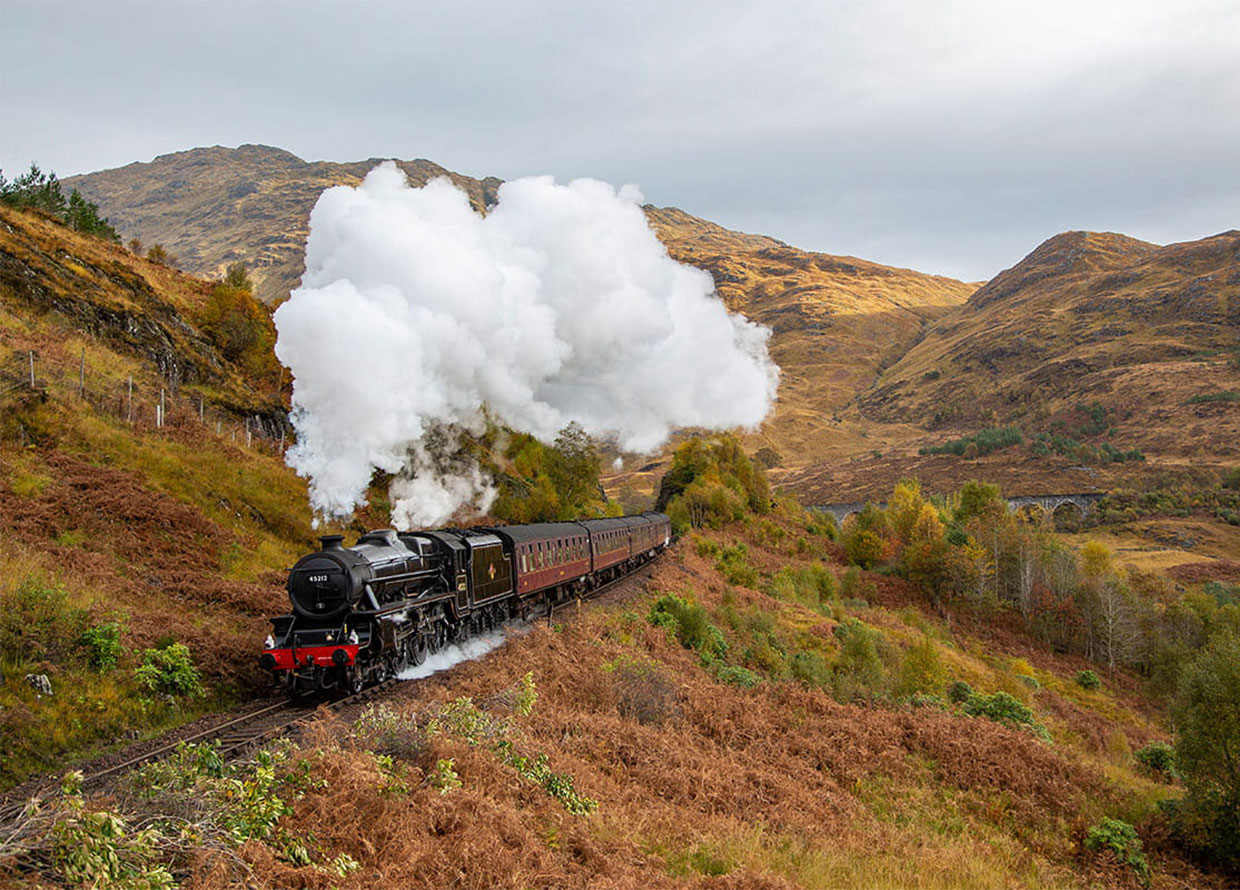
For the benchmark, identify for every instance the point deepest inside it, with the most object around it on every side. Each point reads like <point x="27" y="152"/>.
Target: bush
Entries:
<point x="1006" y="709"/>
<point x="959" y="692"/>
<point x="169" y="671"/>
<point x="858" y="673"/>
<point x="1087" y="680"/>
<point x="102" y="643"/>
<point x="734" y="565"/>
<point x="809" y="668"/>
<point x="980" y="443"/>
<point x="690" y="624"/>
<point x="1158" y="758"/>
<point x="644" y="691"/>
<point x="1121" y="839"/>
<point x="39" y="623"/>
<point x="921" y="670"/>
<point x="735" y="675"/>
<point x="812" y="586"/>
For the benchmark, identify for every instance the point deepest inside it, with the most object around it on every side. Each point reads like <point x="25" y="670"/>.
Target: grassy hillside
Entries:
<point x="1148" y="332"/>
<point x="162" y="533"/>
<point x="763" y="720"/>
<point x="211" y="207"/>
<point x="838" y="321"/>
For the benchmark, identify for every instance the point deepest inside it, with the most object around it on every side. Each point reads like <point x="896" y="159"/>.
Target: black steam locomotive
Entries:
<point x="362" y="614"/>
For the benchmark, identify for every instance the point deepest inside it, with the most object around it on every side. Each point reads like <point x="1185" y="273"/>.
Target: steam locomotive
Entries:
<point x="362" y="614"/>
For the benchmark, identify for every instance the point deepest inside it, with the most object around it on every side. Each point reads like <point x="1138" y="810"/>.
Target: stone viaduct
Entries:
<point x="1083" y="501"/>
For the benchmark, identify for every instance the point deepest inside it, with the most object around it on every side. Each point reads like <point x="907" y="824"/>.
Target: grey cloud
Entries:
<point x="950" y="137"/>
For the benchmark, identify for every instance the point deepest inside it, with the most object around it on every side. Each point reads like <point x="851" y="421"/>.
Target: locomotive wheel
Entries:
<point x="417" y="649"/>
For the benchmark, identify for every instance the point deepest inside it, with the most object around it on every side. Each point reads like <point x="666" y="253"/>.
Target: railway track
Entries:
<point x="248" y="731"/>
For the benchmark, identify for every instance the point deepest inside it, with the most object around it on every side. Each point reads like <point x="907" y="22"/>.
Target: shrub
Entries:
<point x="39" y="623"/>
<point x="812" y="586"/>
<point x="959" y="692"/>
<point x="858" y="673"/>
<point x="921" y="670"/>
<point x="1229" y="395"/>
<point x="809" y="668"/>
<point x="1006" y="709"/>
<point x="735" y="675"/>
<point x="980" y="443"/>
<point x="1087" y="680"/>
<point x="169" y="671"/>
<point x="387" y="732"/>
<point x="1158" y="758"/>
<point x="644" y="691"/>
<point x="864" y="548"/>
<point x="690" y="624"/>
<point x="102" y="643"/>
<point x="734" y="565"/>
<point x="1121" y="839"/>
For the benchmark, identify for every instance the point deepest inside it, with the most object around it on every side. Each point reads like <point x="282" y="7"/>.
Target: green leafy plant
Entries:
<point x="1158" y="758"/>
<point x="170" y="671"/>
<point x="102" y="643"/>
<point x="959" y="692"/>
<point x="443" y="776"/>
<point x="1087" y="680"/>
<point x="1006" y="709"/>
<point x="1121" y="839"/>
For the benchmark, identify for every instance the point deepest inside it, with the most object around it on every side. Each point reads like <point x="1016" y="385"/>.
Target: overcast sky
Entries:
<point x="950" y="137"/>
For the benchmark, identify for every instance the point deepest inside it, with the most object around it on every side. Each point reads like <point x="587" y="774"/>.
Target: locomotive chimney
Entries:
<point x="330" y="542"/>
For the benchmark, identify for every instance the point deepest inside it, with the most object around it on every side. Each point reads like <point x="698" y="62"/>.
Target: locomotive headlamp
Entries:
<point x="340" y="657"/>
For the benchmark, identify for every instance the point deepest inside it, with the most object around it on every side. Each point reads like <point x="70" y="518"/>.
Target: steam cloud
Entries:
<point x="559" y="305"/>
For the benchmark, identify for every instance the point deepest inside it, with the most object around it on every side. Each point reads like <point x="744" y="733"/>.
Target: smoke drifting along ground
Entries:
<point x="559" y="305"/>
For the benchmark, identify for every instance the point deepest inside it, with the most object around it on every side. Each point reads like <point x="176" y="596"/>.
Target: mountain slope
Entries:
<point x="214" y="206"/>
<point x="112" y="520"/>
<point x="1139" y="328"/>
<point x="837" y="321"/>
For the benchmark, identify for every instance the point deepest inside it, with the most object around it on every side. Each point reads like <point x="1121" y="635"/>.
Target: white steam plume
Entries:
<point x="559" y="305"/>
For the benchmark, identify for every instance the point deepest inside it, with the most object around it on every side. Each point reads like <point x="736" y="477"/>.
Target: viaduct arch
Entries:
<point x="1083" y="501"/>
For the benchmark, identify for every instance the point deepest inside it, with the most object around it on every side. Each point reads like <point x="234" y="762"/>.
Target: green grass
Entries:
<point x="1230" y="395"/>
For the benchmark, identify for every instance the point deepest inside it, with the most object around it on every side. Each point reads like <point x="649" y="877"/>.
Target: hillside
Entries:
<point x="144" y="531"/>
<point x="1086" y="317"/>
<point x="877" y="363"/>
<point x="715" y="725"/>
<point x="211" y="207"/>
<point x="837" y="321"/>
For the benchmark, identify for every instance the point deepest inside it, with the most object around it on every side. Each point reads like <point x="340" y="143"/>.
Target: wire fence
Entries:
<point x="146" y="407"/>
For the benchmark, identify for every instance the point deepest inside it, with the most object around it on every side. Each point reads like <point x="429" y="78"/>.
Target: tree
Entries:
<point x="573" y="467"/>
<point x="83" y="216"/>
<point x="925" y="555"/>
<point x="157" y="254"/>
<point x="1207" y="712"/>
<point x="904" y="508"/>
<point x="35" y="190"/>
<point x="978" y="499"/>
<point x="237" y="276"/>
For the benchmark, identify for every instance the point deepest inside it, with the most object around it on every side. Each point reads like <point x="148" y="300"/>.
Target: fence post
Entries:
<point x="200" y="420"/>
<point x="163" y="407"/>
<point x="82" y="375"/>
<point x="32" y="369"/>
<point x="129" y="409"/>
